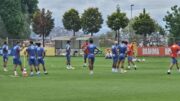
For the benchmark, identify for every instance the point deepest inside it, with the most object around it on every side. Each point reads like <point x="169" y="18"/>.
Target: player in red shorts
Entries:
<point x="130" y="54"/>
<point x="85" y="50"/>
<point x="174" y="53"/>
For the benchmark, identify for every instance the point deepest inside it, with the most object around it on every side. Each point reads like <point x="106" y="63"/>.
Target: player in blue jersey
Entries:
<point x="16" y="58"/>
<point x="91" y="55"/>
<point x="122" y="48"/>
<point x="5" y="55"/>
<point x="114" y="56"/>
<point x="31" y="54"/>
<point x="40" y="57"/>
<point x="68" y="55"/>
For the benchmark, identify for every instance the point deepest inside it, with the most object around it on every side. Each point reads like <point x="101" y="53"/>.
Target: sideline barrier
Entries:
<point x="153" y="51"/>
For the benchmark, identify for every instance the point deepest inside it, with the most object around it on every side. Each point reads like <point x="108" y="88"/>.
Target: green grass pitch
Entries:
<point x="149" y="83"/>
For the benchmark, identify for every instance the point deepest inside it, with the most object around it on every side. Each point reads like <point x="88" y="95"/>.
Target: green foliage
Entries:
<point x="43" y="23"/>
<point x="91" y="20"/>
<point x="12" y="17"/>
<point x="15" y="16"/>
<point x="172" y="20"/>
<point x="72" y="21"/>
<point x="117" y="20"/>
<point x="144" y="24"/>
<point x="160" y="29"/>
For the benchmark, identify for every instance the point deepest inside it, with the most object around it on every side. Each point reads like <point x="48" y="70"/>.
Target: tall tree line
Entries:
<point x="16" y="16"/>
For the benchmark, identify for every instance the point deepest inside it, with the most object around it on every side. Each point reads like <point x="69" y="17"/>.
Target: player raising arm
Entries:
<point x="16" y="58"/>
<point x="91" y="55"/>
<point x="174" y="49"/>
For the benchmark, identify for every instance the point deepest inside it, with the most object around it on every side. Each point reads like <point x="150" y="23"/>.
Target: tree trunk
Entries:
<point x="43" y="41"/>
<point x="91" y="34"/>
<point x="144" y="40"/>
<point x="116" y="35"/>
<point x="74" y="33"/>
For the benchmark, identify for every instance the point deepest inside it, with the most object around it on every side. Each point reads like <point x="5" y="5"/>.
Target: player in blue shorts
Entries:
<point x="122" y="48"/>
<point x="91" y="55"/>
<point x="16" y="58"/>
<point x="114" y="56"/>
<point x="31" y="54"/>
<point x="68" y="55"/>
<point x="40" y="57"/>
<point x="5" y="55"/>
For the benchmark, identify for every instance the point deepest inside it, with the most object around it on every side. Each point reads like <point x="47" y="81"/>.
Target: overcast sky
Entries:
<point x="156" y="8"/>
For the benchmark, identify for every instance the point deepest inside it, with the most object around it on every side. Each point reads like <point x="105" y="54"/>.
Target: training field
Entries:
<point x="149" y="83"/>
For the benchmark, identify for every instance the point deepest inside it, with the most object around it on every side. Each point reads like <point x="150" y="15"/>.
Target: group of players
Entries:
<point x="35" y="55"/>
<point x="119" y="51"/>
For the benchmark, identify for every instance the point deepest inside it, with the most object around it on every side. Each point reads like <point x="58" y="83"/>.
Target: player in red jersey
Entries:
<point x="130" y="54"/>
<point x="85" y="50"/>
<point x="174" y="49"/>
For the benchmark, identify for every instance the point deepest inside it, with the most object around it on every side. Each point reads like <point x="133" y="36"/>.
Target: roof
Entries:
<point x="83" y="38"/>
<point x="63" y="38"/>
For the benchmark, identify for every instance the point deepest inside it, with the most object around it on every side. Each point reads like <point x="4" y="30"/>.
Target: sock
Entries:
<point x="15" y="73"/>
<point x="31" y="73"/>
<point x="91" y="72"/>
<point x="169" y="70"/>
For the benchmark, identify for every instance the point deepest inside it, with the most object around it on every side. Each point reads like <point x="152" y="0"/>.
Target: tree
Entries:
<point x="72" y="21"/>
<point x="91" y="20"/>
<point x="43" y="23"/>
<point x="15" y="16"/>
<point x="160" y="29"/>
<point x="172" y="20"/>
<point x="144" y="24"/>
<point x="117" y="21"/>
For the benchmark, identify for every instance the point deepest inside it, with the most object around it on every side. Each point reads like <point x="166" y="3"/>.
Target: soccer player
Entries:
<point x="85" y="50"/>
<point x="174" y="53"/>
<point x="130" y="53"/>
<point x="31" y="54"/>
<point x="114" y="56"/>
<point x="16" y="58"/>
<point x="122" y="48"/>
<point x="91" y="55"/>
<point x="68" y="55"/>
<point x="5" y="55"/>
<point x="40" y="57"/>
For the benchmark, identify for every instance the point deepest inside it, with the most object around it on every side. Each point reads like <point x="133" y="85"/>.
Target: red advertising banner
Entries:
<point x="153" y="51"/>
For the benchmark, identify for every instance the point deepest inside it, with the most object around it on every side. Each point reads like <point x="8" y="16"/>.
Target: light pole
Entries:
<point x="130" y="31"/>
<point x="131" y="9"/>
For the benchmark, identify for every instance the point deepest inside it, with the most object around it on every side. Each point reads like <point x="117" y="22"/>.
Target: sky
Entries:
<point x="156" y="8"/>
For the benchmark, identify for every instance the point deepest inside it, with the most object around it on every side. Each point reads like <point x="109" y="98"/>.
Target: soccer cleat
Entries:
<point x="116" y="70"/>
<point x="135" y="67"/>
<point x="85" y="65"/>
<point x="5" y="70"/>
<point x="91" y="73"/>
<point x="113" y="70"/>
<point x="45" y="72"/>
<point x="72" y="67"/>
<point x="129" y="67"/>
<point x="31" y="74"/>
<point x="68" y="67"/>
